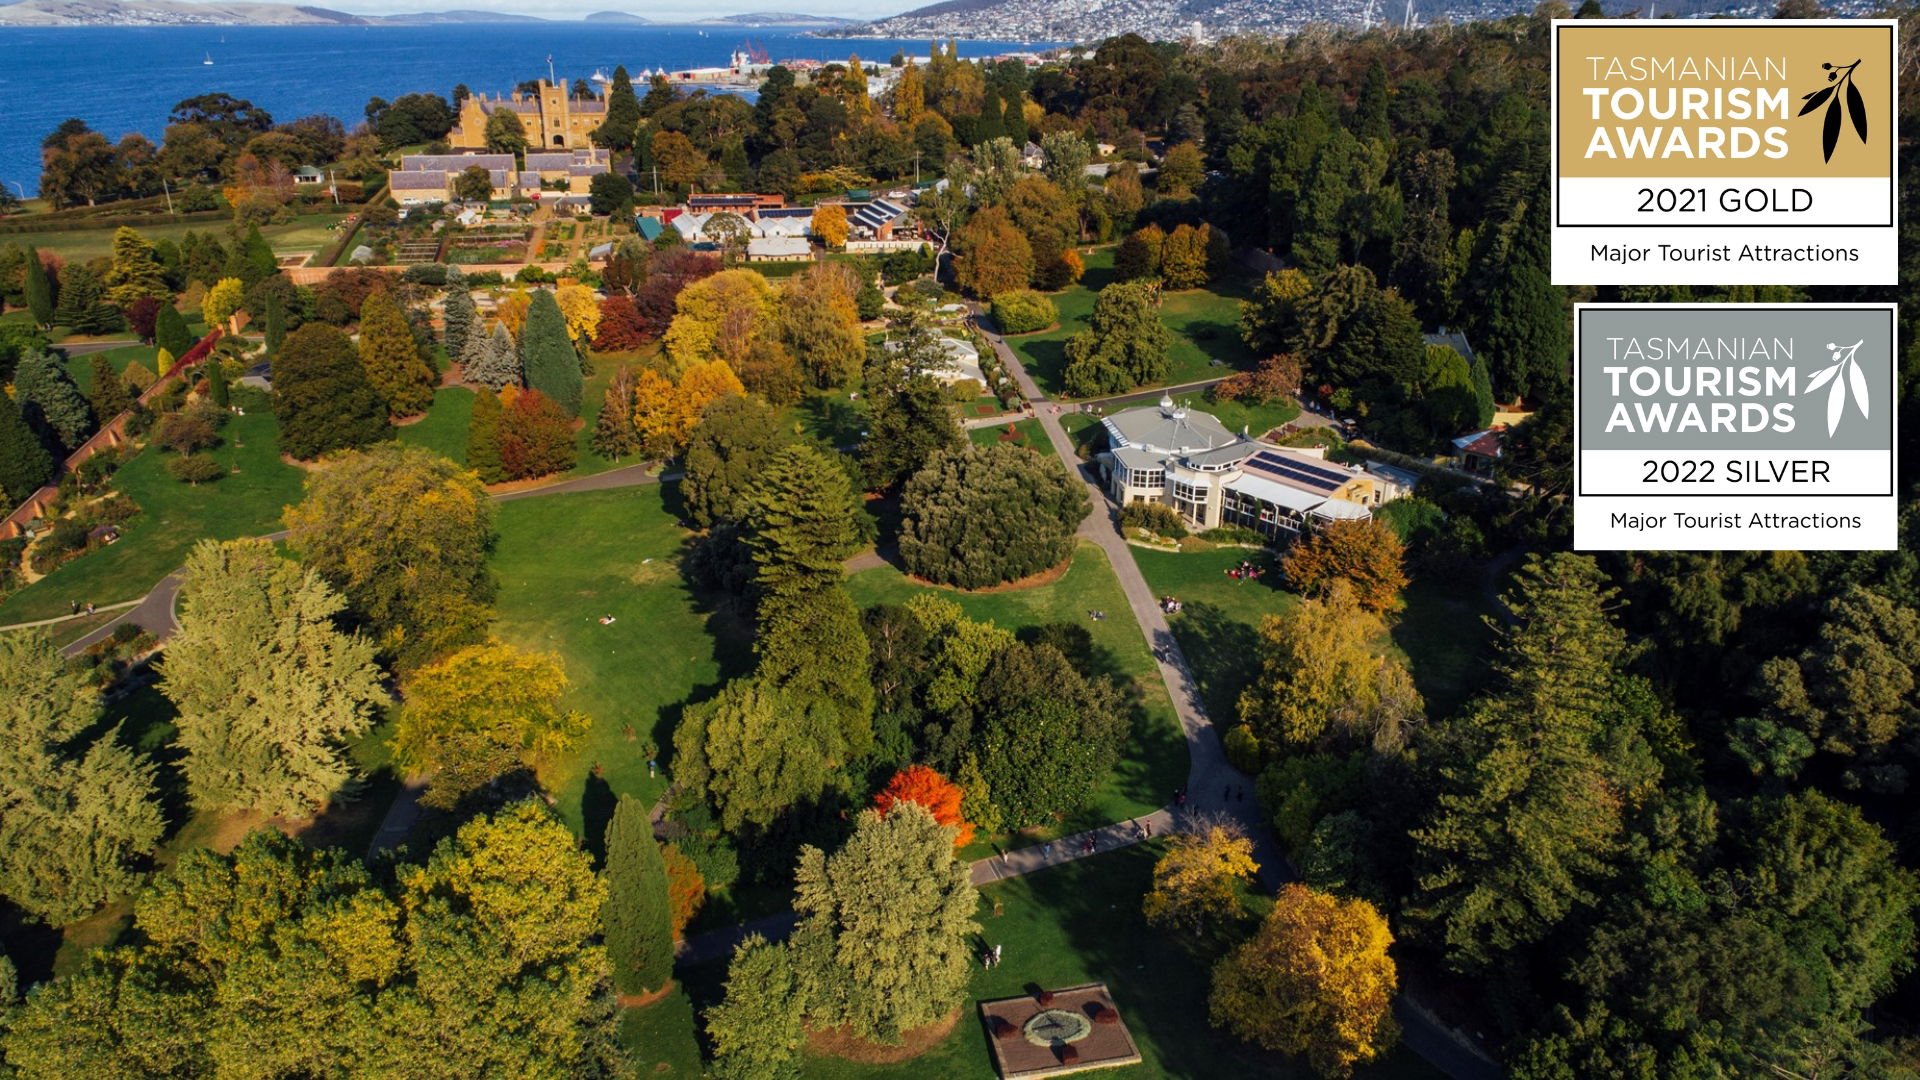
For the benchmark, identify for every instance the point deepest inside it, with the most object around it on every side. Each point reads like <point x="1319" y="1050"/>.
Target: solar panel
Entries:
<point x="1333" y="476"/>
<point x="1319" y="479"/>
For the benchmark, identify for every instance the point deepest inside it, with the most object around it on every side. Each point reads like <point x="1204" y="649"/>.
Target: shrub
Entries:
<point x="196" y="469"/>
<point x="189" y="430"/>
<point x="1023" y="311"/>
<point x="1157" y="518"/>
<point x="984" y="515"/>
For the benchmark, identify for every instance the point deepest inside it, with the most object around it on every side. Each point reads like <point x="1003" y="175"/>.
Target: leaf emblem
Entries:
<point x="1844" y="357"/>
<point x="1816" y="100"/>
<point x="1858" y="380"/>
<point x="1857" y="110"/>
<point x="1820" y="380"/>
<point x="1836" y="401"/>
<point x="1829" y="97"/>
<point x="1830" y="131"/>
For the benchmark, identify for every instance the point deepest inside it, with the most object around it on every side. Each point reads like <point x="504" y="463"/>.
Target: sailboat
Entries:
<point x="208" y="61"/>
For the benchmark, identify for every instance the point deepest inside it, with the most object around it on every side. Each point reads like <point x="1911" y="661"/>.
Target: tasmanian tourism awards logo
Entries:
<point x="1731" y="152"/>
<point x="1704" y="427"/>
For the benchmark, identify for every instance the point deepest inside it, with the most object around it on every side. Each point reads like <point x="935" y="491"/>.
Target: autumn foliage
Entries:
<point x="1364" y="551"/>
<point x="1197" y="882"/>
<point x="1314" y="980"/>
<point x="941" y="797"/>
<point x="686" y="889"/>
<point x="536" y="436"/>
<point x="664" y="414"/>
<point x="621" y="327"/>
<point x="1276" y="379"/>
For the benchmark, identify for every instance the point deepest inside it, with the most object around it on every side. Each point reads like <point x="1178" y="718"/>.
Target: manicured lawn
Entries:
<point x="1255" y="420"/>
<point x="1020" y="433"/>
<point x="1205" y="324"/>
<point x="81" y="367"/>
<point x="593" y="395"/>
<point x="444" y="429"/>
<point x="831" y="416"/>
<point x="1155" y="760"/>
<point x="308" y="232"/>
<point x="1081" y="923"/>
<point x="659" y="1039"/>
<point x="1440" y="633"/>
<point x="246" y="502"/>
<point x="565" y="561"/>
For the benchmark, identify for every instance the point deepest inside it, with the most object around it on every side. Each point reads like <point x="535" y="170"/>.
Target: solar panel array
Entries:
<point x="1316" y="477"/>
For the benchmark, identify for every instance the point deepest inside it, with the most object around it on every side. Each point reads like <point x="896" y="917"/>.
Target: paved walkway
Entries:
<point x="154" y="613"/>
<point x="67" y="618"/>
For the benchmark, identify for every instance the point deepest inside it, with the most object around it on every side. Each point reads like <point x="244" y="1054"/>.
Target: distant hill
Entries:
<point x="458" y="15"/>
<point x="614" y="16"/>
<point x="776" y="18"/>
<point x="169" y="13"/>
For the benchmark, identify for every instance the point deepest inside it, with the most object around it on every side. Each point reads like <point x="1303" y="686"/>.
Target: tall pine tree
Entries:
<point x="38" y="289"/>
<point x="24" y="464"/>
<point x="391" y="357"/>
<point x="77" y="807"/>
<point x="459" y="316"/>
<point x="623" y="114"/>
<point x="548" y="361"/>
<point x="107" y="392"/>
<point x="276" y="320"/>
<point x="51" y="402"/>
<point x="637" y="921"/>
<point x="483" y="437"/>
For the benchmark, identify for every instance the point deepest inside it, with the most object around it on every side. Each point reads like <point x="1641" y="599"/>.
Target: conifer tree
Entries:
<point x="217" y="390"/>
<point x="391" y="357"/>
<point x="82" y="307"/>
<point x="623" y="114"/>
<point x="107" y="392"/>
<point x="547" y="357"/>
<point x="1482" y="393"/>
<point x="459" y="316"/>
<point x="491" y="359"/>
<point x="637" y="922"/>
<point x="483" y="438"/>
<point x="276" y="320"/>
<point x="801" y="513"/>
<point x="74" y="811"/>
<point x="134" y="273"/>
<point x="614" y="435"/>
<point x="51" y="403"/>
<point x="24" y="464"/>
<point x="170" y="332"/>
<point x="38" y="289"/>
<point x="321" y="395"/>
<point x="268" y="688"/>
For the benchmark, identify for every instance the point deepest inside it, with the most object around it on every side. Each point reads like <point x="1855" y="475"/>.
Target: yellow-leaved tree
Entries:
<point x="221" y="302"/>
<point x="481" y="713"/>
<point x="512" y="310"/>
<point x="582" y="311"/>
<point x="736" y="303"/>
<point x="1314" y="980"/>
<point x="1197" y="882"/>
<point x="665" y="414"/>
<point x="830" y="224"/>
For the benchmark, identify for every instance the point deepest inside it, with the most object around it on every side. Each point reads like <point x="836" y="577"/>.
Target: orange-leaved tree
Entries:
<point x="1363" y="551"/>
<point x="1315" y="980"/>
<point x="941" y="797"/>
<point x="686" y="889"/>
<point x="1198" y="881"/>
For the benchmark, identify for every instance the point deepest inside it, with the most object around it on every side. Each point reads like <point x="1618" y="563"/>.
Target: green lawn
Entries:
<point x="247" y="502"/>
<point x="1081" y="923"/>
<point x="830" y="416"/>
<point x="563" y="562"/>
<point x="81" y="367"/>
<point x="1020" y="433"/>
<point x="1440" y="633"/>
<point x="659" y="1039"/>
<point x="1205" y="325"/>
<point x="307" y="232"/>
<point x="444" y="429"/>
<point x="593" y="395"/>
<point x="1155" y="760"/>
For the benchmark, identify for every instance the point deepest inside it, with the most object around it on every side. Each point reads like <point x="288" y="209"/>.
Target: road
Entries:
<point x="155" y="612"/>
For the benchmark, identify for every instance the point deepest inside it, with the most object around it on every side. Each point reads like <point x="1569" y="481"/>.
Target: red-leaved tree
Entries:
<point x="536" y="437"/>
<point x="941" y="797"/>
<point x="620" y="325"/>
<point x="670" y="271"/>
<point x="141" y="316"/>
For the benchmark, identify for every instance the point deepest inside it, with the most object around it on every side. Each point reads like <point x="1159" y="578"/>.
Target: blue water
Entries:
<point x="122" y="79"/>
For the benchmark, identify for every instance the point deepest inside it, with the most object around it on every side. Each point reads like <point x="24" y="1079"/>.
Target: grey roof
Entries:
<point x="1452" y="339"/>
<point x="530" y="179"/>
<point x="778" y="245"/>
<point x="454" y="162"/>
<point x="554" y="161"/>
<point x="1406" y="478"/>
<point x="588" y="169"/>
<point x="1231" y="454"/>
<point x="417" y="181"/>
<point x="773" y="212"/>
<point x="1135" y="458"/>
<point x="877" y="213"/>
<point x="1168" y="428"/>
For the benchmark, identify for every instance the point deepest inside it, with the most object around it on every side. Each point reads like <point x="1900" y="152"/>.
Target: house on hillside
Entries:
<point x="1188" y="460"/>
<point x="1478" y="452"/>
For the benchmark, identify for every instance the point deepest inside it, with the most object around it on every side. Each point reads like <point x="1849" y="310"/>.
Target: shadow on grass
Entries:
<point x="1221" y="652"/>
<point x="596" y="811"/>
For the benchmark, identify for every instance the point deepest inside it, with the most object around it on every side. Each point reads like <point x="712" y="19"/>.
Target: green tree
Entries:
<point x="623" y="114"/>
<point x="480" y="713"/>
<point x="107" y="393"/>
<point x="985" y="515"/>
<point x="38" y="289"/>
<point x="614" y="435"/>
<point x="1533" y="779"/>
<point x="1046" y="736"/>
<point x="170" y="332"/>
<point x="404" y="534"/>
<point x="321" y="395"/>
<point x="77" y="807"/>
<point x="736" y="439"/>
<point x="217" y="389"/>
<point x="882" y="945"/>
<point x="391" y="357"/>
<point x="1525" y="334"/>
<point x="474" y="184"/>
<point x="1361" y="339"/>
<point x="134" y="273"/>
<point x="1269" y="323"/>
<point x="754" y="751"/>
<point x="25" y="465"/>
<point x="1181" y="171"/>
<point x="637" y="922"/>
<point x="1125" y="344"/>
<point x="504" y="133"/>
<point x="910" y="414"/>
<point x="276" y="320"/>
<point x="492" y="360"/>
<point x="802" y="521"/>
<point x="1854" y="690"/>
<point x="759" y="1026"/>
<point x="483" y="438"/>
<point x="547" y="356"/>
<point x="51" y="403"/>
<point x="460" y="317"/>
<point x="268" y="690"/>
<point x="1482" y="392"/>
<point x="1321" y="680"/>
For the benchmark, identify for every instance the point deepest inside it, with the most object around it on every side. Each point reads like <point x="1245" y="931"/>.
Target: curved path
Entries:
<point x="154" y="613"/>
<point x="1212" y="783"/>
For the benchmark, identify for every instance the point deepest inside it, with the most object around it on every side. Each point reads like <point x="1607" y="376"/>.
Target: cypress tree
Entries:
<point x="459" y="318"/>
<point x="623" y="114"/>
<point x="216" y="371"/>
<point x="1015" y="119"/>
<point x="1482" y="393"/>
<point x="51" y="402"/>
<point x="39" y="290"/>
<point x="170" y="332"/>
<point x="547" y="359"/>
<point x="637" y="920"/>
<point x="276" y="322"/>
<point x="24" y="464"/>
<point x="253" y="261"/>
<point x="392" y="358"/>
<point x="108" y="393"/>
<point x="483" y="438"/>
